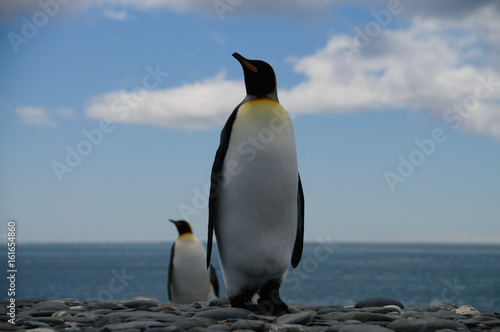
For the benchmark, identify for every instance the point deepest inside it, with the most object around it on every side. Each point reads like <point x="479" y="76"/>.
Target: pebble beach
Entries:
<point x="150" y="315"/>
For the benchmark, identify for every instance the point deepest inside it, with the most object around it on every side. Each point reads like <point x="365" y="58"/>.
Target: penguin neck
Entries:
<point x="273" y="95"/>
<point x="186" y="237"/>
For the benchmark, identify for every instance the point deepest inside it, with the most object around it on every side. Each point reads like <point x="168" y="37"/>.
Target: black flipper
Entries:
<point x="170" y="269"/>
<point x="214" y="178"/>
<point x="299" y="240"/>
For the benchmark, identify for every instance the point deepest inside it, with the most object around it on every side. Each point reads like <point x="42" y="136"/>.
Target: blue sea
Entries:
<point x="329" y="273"/>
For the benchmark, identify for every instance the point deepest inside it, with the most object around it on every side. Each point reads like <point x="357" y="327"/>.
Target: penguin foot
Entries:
<point x="240" y="301"/>
<point x="270" y="302"/>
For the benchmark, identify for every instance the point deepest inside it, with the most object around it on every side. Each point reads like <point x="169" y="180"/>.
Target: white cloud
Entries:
<point x="65" y="112"/>
<point x="39" y="116"/>
<point x="222" y="9"/>
<point x="116" y="15"/>
<point x="416" y="68"/>
<point x="204" y="104"/>
<point x="34" y="116"/>
<point x="219" y="9"/>
<point x="217" y="38"/>
<point x="427" y="67"/>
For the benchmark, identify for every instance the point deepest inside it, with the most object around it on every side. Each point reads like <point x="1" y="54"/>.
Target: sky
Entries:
<point x="111" y="111"/>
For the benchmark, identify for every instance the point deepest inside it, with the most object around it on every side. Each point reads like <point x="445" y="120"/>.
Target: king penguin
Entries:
<point x="256" y="203"/>
<point x="188" y="278"/>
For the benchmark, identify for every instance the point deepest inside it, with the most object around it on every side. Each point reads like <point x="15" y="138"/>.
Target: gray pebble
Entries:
<point x="108" y="320"/>
<point x="103" y="305"/>
<point x="7" y="326"/>
<point x="492" y="323"/>
<point x="144" y="314"/>
<point x="378" y="323"/>
<point x="200" y="329"/>
<point x="424" y="325"/>
<point x="298" y="318"/>
<point x="219" y="327"/>
<point x="332" y="328"/>
<point x="364" y="328"/>
<point x="165" y="329"/>
<point x="33" y="324"/>
<point x="365" y="316"/>
<point x="49" y="320"/>
<point x="314" y="307"/>
<point x="378" y="302"/>
<point x="246" y="324"/>
<point x="136" y="303"/>
<point x="160" y="316"/>
<point x="102" y="311"/>
<point x="288" y="328"/>
<point x="52" y="306"/>
<point x="328" y="310"/>
<point x="62" y="313"/>
<point x="28" y="302"/>
<point x="40" y="313"/>
<point x="77" y="319"/>
<point x="189" y="323"/>
<point x="437" y="306"/>
<point x="476" y="320"/>
<point x="92" y="316"/>
<point x="224" y="313"/>
<point x="80" y="308"/>
<point x="139" y="325"/>
<point x="381" y="310"/>
<point x="333" y="315"/>
<point x="186" y="308"/>
<point x="219" y="302"/>
<point x="70" y="302"/>
<point x="410" y="313"/>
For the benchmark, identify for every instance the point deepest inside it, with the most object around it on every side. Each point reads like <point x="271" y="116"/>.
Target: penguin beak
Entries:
<point x="173" y="221"/>
<point x="244" y="62"/>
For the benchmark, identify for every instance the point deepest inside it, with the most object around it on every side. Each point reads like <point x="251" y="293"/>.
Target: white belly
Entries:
<point x="190" y="278"/>
<point x="256" y="222"/>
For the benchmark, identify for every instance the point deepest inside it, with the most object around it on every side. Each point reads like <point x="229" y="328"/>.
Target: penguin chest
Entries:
<point x="257" y="205"/>
<point x="190" y="277"/>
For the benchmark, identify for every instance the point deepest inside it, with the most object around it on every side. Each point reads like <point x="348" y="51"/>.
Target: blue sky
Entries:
<point x="397" y="126"/>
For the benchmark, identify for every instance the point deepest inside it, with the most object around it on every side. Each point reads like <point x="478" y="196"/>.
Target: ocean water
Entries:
<point x="329" y="273"/>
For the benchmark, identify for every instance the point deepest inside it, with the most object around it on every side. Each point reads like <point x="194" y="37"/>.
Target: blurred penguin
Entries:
<point x="189" y="280"/>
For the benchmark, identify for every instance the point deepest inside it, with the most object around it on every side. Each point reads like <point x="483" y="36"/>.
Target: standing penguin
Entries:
<point x="188" y="279"/>
<point x="256" y="203"/>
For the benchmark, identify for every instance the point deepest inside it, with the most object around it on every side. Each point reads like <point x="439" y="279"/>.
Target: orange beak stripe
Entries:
<point x="250" y="66"/>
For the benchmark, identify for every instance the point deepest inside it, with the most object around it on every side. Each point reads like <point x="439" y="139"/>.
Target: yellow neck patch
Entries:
<point x="263" y="111"/>
<point x="186" y="237"/>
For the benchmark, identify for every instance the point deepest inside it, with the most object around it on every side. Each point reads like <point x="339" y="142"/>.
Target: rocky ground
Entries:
<point x="149" y="315"/>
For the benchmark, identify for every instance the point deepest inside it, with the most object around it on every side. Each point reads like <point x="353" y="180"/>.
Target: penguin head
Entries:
<point x="183" y="226"/>
<point x="260" y="79"/>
